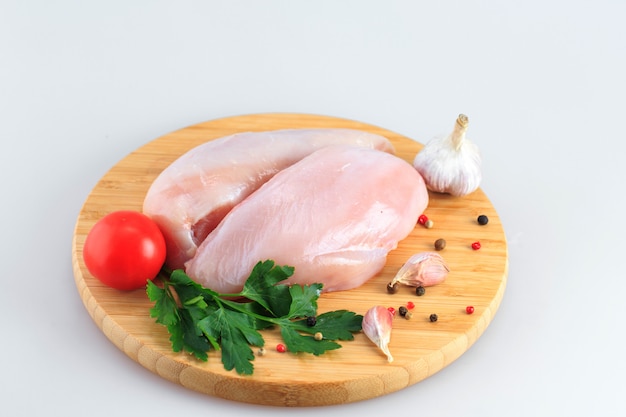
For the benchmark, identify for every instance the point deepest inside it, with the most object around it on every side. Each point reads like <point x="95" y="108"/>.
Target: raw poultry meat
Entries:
<point x="192" y="195"/>
<point x="334" y="216"/>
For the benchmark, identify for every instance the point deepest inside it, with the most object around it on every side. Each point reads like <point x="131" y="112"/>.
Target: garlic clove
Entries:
<point x="425" y="269"/>
<point x="451" y="164"/>
<point x="377" y="323"/>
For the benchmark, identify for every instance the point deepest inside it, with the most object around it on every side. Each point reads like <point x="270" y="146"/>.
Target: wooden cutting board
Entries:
<point x="357" y="371"/>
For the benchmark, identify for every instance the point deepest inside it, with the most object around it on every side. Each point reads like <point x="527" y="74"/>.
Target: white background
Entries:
<point x="83" y="83"/>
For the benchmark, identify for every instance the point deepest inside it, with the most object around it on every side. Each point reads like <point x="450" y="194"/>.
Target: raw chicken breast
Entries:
<point x="191" y="196"/>
<point x="334" y="216"/>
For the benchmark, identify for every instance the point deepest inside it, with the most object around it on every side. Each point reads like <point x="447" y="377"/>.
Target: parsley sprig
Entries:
<point x="200" y="319"/>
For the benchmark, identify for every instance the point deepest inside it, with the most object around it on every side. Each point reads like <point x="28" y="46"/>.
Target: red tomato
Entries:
<point x="124" y="250"/>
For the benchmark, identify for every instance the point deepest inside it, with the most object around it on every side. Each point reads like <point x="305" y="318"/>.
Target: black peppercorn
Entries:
<point x="419" y="291"/>
<point x="392" y="288"/>
<point x="402" y="310"/>
<point x="311" y="321"/>
<point x="482" y="220"/>
<point x="440" y="244"/>
<point x="433" y="318"/>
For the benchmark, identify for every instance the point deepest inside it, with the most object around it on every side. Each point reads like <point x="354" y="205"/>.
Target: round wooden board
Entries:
<point x="357" y="371"/>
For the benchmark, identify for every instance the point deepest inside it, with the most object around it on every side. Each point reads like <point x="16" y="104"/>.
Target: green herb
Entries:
<point x="200" y="319"/>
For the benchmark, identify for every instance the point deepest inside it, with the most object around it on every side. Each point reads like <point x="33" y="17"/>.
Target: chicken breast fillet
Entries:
<point x="334" y="216"/>
<point x="192" y="195"/>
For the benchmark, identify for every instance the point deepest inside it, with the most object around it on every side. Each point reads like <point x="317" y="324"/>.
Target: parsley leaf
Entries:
<point x="234" y="332"/>
<point x="200" y="319"/>
<point x="261" y="285"/>
<point x="191" y="337"/>
<point x="165" y="309"/>
<point x="334" y="325"/>
<point x="296" y="342"/>
<point x="304" y="300"/>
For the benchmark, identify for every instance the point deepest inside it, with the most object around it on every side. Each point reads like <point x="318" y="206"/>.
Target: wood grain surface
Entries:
<point x="359" y="370"/>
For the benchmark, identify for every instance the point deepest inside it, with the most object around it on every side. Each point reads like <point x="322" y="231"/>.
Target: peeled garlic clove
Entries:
<point x="425" y="269"/>
<point x="451" y="164"/>
<point x="376" y="325"/>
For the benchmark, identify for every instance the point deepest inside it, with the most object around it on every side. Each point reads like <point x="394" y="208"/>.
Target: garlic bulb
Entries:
<point x="422" y="269"/>
<point x="376" y="325"/>
<point x="451" y="164"/>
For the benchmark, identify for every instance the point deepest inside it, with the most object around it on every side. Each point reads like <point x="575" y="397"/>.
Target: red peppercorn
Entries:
<point x="422" y="219"/>
<point x="392" y="310"/>
<point x="281" y="348"/>
<point x="410" y="305"/>
<point x="476" y="245"/>
<point x="469" y="309"/>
